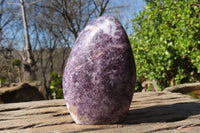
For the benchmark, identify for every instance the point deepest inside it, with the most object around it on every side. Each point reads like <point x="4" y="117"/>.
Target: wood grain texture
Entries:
<point x="150" y="112"/>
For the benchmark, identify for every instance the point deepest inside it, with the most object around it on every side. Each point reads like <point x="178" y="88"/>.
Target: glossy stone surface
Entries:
<point x="99" y="78"/>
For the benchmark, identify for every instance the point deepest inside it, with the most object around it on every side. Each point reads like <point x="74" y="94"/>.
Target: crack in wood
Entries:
<point x="11" y="109"/>
<point x="61" y="114"/>
<point x="48" y="106"/>
<point x="195" y="125"/>
<point x="29" y="126"/>
<point x="39" y="113"/>
<point x="53" y="124"/>
<point x="9" y="128"/>
<point x="163" y="129"/>
<point x="173" y="128"/>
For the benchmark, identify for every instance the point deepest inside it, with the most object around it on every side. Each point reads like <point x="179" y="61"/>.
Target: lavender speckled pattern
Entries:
<point x="99" y="78"/>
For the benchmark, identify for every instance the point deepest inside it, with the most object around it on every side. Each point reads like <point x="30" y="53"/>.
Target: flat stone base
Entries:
<point x="150" y="112"/>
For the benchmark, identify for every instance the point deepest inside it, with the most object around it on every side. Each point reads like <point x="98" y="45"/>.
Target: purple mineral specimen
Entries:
<point x="99" y="78"/>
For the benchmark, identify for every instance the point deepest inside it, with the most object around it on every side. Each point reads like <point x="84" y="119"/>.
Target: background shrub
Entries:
<point x="166" y="41"/>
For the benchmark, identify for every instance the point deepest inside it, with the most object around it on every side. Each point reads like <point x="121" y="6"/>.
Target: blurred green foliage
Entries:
<point x="3" y="81"/>
<point x="56" y="86"/>
<point x="194" y="95"/>
<point x="166" y="41"/>
<point x="17" y="62"/>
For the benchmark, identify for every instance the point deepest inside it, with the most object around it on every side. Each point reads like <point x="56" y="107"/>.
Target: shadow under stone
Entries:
<point x="162" y="113"/>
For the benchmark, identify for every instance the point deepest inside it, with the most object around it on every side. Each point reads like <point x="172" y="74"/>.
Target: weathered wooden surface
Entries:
<point x="150" y="112"/>
<point x="184" y="88"/>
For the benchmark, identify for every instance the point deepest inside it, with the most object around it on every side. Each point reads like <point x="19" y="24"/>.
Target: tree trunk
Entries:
<point x="19" y="74"/>
<point x="29" y="62"/>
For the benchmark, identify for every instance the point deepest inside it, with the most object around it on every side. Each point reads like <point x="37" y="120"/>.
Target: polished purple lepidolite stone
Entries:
<point x="99" y="78"/>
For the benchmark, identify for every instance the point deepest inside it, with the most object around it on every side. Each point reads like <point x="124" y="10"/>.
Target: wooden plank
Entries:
<point x="149" y="112"/>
